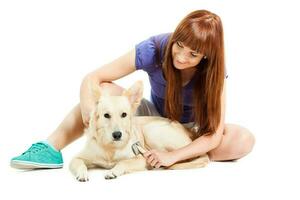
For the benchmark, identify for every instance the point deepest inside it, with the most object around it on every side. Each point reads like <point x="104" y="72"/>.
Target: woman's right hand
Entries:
<point x="114" y="70"/>
<point x="85" y="113"/>
<point x="87" y="100"/>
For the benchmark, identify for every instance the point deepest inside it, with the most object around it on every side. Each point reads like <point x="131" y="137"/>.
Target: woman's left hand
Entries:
<point x="158" y="158"/>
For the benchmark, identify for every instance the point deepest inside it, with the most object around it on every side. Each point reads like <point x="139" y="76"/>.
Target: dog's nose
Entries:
<point x="117" y="135"/>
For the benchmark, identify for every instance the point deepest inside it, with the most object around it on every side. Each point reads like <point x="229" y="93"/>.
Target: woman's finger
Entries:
<point x="157" y="165"/>
<point x="147" y="154"/>
<point x="150" y="159"/>
<point x="154" y="162"/>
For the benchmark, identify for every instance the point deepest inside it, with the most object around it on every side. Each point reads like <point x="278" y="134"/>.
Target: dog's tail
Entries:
<point x="199" y="162"/>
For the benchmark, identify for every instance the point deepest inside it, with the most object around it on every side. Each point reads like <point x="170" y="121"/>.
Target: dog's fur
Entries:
<point x="105" y="151"/>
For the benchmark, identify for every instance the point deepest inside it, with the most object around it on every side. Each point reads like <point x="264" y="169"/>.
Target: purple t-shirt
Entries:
<point x="146" y="59"/>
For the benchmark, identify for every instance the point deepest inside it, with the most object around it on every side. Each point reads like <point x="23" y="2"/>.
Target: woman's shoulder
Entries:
<point x="156" y="41"/>
<point x="161" y="40"/>
<point x="147" y="50"/>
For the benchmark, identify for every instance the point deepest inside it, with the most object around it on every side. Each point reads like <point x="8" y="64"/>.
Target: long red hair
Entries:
<point x="201" y="31"/>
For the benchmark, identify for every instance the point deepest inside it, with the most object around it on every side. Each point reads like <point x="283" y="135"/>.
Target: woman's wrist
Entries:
<point x="175" y="156"/>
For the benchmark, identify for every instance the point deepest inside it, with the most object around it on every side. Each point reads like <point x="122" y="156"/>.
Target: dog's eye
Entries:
<point x="124" y="115"/>
<point x="106" y="115"/>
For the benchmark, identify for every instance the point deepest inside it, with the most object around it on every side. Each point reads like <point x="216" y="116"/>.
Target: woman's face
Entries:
<point x="184" y="57"/>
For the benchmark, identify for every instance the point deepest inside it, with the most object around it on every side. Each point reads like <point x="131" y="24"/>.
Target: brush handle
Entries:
<point x="141" y="149"/>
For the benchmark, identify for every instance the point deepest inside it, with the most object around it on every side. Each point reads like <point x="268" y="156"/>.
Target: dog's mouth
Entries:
<point x="117" y="143"/>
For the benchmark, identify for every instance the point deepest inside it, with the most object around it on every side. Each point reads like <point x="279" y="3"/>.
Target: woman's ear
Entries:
<point x="134" y="94"/>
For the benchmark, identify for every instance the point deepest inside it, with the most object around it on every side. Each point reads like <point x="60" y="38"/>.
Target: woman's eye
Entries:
<point x="179" y="44"/>
<point x="106" y="115"/>
<point x="193" y="55"/>
<point x="124" y="115"/>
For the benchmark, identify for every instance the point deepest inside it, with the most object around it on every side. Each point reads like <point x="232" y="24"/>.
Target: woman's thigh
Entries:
<point x="111" y="88"/>
<point x="146" y="108"/>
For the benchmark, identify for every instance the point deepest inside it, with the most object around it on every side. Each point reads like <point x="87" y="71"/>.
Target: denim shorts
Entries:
<point x="146" y="108"/>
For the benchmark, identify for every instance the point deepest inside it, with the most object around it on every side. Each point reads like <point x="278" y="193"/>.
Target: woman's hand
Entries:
<point x="88" y="98"/>
<point x="158" y="158"/>
<point x="85" y="114"/>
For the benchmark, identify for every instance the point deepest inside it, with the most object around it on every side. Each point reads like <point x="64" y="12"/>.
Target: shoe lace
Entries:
<point x="35" y="148"/>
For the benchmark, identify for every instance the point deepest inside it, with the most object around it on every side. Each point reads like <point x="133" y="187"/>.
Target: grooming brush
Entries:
<point x="137" y="148"/>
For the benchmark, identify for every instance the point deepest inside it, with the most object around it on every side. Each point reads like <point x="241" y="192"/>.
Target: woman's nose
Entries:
<point x="181" y="58"/>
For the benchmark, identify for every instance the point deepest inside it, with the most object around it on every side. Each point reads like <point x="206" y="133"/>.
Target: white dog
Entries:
<point x="114" y="129"/>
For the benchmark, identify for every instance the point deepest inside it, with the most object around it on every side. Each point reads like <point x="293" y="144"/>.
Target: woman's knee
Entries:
<point x="111" y="88"/>
<point x="246" y="140"/>
<point x="236" y="143"/>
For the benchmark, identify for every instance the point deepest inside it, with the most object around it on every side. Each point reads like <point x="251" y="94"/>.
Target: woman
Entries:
<point x="186" y="72"/>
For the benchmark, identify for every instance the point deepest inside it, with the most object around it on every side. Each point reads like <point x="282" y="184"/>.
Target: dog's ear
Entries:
<point x="134" y="94"/>
<point x="95" y="91"/>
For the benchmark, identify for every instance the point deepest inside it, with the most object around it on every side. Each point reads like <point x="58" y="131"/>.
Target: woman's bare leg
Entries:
<point x="237" y="142"/>
<point x="69" y="129"/>
<point x="72" y="126"/>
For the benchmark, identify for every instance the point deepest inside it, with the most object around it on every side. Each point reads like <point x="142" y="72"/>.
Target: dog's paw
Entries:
<point x="110" y="175"/>
<point x="82" y="176"/>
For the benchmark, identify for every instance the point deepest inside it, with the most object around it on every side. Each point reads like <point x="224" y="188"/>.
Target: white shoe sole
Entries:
<point x="32" y="165"/>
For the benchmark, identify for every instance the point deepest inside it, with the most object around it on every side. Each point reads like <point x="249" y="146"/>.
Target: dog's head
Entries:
<point x="111" y="121"/>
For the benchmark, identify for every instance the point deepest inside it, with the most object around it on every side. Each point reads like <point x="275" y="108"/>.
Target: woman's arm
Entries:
<point x="118" y="68"/>
<point x="197" y="148"/>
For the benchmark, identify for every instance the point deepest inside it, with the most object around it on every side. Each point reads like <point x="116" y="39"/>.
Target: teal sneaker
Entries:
<point x="40" y="155"/>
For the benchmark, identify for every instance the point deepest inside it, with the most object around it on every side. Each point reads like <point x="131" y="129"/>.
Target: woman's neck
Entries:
<point x="187" y="74"/>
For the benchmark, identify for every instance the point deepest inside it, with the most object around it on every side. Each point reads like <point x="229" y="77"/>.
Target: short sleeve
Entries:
<point x="145" y="54"/>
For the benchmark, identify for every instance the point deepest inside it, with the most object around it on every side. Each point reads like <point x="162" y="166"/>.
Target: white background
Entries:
<point x="46" y="48"/>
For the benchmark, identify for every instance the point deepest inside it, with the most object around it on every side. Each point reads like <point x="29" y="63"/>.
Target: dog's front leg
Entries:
<point x="137" y="163"/>
<point x="79" y="169"/>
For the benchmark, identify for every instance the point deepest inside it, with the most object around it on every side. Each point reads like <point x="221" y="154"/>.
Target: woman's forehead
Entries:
<point x="189" y="48"/>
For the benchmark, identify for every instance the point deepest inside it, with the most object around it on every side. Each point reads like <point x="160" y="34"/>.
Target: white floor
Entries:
<point x="252" y="177"/>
